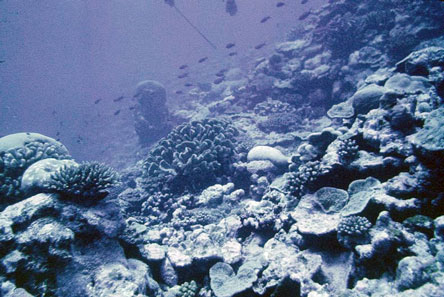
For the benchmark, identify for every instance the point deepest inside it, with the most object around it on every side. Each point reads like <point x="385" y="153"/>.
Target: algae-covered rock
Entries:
<point x="431" y="136"/>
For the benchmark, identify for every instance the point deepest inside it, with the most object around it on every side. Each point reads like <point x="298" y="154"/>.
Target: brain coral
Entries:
<point x="18" y="151"/>
<point x="191" y="157"/>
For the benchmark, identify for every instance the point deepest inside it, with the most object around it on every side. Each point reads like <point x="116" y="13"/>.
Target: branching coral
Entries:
<point x="300" y="180"/>
<point x="191" y="157"/>
<point x="86" y="182"/>
<point x="347" y="150"/>
<point x="353" y="230"/>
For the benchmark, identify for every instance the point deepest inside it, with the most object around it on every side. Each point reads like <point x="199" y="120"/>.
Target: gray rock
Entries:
<point x="367" y="98"/>
<point x="117" y="279"/>
<point x="420" y="62"/>
<point x="431" y="136"/>
<point x="168" y="274"/>
<point x="439" y="227"/>
<point x="152" y="252"/>
<point x="343" y="110"/>
<point x="411" y="273"/>
<point x="403" y="83"/>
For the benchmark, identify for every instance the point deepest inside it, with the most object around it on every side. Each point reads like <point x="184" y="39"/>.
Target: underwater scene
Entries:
<point x="222" y="148"/>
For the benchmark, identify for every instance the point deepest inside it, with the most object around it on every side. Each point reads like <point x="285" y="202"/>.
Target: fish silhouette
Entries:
<point x="119" y="99"/>
<point x="97" y="101"/>
<point x="280" y="4"/>
<point x="232" y="54"/>
<point x="117" y="112"/>
<point x="218" y="80"/>
<point x="188" y="84"/>
<point x="203" y="59"/>
<point x="184" y="66"/>
<point x="183" y="75"/>
<point x="304" y="15"/>
<point x="265" y="19"/>
<point x="230" y="45"/>
<point x="179" y="92"/>
<point x="260" y="45"/>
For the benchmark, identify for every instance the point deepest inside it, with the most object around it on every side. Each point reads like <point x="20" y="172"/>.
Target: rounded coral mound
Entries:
<point x="191" y="157"/>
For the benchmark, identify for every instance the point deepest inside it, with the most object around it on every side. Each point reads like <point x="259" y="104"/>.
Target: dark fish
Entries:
<point x="179" y="92"/>
<point x="218" y="80"/>
<point x="183" y="75"/>
<point x="265" y="19"/>
<point x="231" y="7"/>
<point x="132" y="107"/>
<point x="232" y="54"/>
<point x="203" y="59"/>
<point x="97" y="101"/>
<point x="259" y="46"/>
<point x="304" y="1"/>
<point x="79" y="139"/>
<point x="280" y="4"/>
<point x="183" y="66"/>
<point x="188" y="84"/>
<point x="2" y="61"/>
<point x="58" y="133"/>
<point x="117" y="112"/>
<point x="230" y="45"/>
<point x="220" y="74"/>
<point x="119" y="99"/>
<point x="304" y="15"/>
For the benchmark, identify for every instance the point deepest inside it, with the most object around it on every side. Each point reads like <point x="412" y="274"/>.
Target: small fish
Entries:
<point x="184" y="66"/>
<point x="97" y="101"/>
<point x="179" y="92"/>
<point x="79" y="139"/>
<point x="232" y="54"/>
<point x="304" y="15"/>
<point x="2" y="61"/>
<point x="117" y="112"/>
<point x="119" y="99"/>
<point x="203" y="59"/>
<point x="220" y="74"/>
<point x="132" y="107"/>
<point x="304" y="1"/>
<point x="58" y="133"/>
<point x="218" y="80"/>
<point x="230" y="45"/>
<point x="183" y="75"/>
<point x="188" y="84"/>
<point x="265" y="19"/>
<point x="280" y="4"/>
<point x="260" y="45"/>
